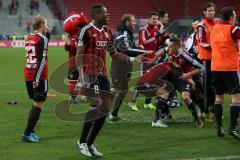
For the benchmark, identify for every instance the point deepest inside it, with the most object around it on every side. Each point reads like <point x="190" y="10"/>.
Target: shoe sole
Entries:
<point x="220" y="135"/>
<point x="234" y="137"/>
<point x="97" y="155"/>
<point x="159" y="126"/>
<point x="35" y="141"/>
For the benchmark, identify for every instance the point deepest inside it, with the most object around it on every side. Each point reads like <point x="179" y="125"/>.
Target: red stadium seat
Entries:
<point x="116" y="8"/>
<point x="176" y="8"/>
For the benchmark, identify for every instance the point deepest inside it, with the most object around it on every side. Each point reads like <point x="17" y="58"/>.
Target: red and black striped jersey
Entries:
<point x="36" y="67"/>
<point x="95" y="41"/>
<point x="184" y="62"/>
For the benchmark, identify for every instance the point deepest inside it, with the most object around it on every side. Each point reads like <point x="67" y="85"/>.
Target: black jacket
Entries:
<point x="125" y="41"/>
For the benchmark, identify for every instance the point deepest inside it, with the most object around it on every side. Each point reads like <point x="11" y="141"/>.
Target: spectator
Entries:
<point x="14" y="37"/>
<point x="29" y="25"/>
<point x="12" y="8"/>
<point x="34" y="5"/>
<point x="20" y="19"/>
<point x="0" y="4"/>
<point x="15" y="3"/>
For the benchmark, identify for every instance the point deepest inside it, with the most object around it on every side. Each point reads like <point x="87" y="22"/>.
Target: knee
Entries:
<point x="186" y="97"/>
<point x="235" y="98"/>
<point x="38" y="104"/>
<point x="219" y="98"/>
<point x="162" y="94"/>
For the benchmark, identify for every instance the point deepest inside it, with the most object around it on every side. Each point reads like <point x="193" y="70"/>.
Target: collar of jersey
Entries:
<point x="100" y="30"/>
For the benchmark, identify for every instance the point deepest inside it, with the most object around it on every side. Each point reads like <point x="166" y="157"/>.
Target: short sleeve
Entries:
<point x="82" y="38"/>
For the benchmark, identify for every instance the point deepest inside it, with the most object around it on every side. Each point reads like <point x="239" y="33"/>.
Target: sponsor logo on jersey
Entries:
<point x="101" y="44"/>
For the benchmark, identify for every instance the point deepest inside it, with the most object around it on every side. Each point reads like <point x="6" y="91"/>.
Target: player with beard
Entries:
<point x="120" y="71"/>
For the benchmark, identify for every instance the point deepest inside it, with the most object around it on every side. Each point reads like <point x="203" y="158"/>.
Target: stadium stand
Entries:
<point x="194" y="8"/>
<point x="171" y="9"/>
<point x="116" y="8"/>
<point x="16" y="23"/>
<point x="56" y="11"/>
<point x="185" y="8"/>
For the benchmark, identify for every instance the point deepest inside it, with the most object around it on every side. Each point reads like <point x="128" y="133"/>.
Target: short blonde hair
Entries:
<point x="38" y="21"/>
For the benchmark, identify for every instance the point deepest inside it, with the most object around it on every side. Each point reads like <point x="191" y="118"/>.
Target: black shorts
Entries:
<point x="38" y="94"/>
<point x="182" y="86"/>
<point x="73" y="75"/>
<point x="103" y="83"/>
<point x="99" y="82"/>
<point x="178" y="84"/>
<point x="226" y="82"/>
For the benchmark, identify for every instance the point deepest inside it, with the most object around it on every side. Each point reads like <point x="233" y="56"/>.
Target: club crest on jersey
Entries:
<point x="106" y="34"/>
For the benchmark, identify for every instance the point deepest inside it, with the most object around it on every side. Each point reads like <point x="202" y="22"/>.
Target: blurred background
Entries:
<point x="16" y="15"/>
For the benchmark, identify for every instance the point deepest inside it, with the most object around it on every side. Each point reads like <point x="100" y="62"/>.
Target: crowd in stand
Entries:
<point x="13" y="7"/>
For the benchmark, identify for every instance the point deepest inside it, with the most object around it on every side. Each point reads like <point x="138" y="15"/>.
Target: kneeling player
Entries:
<point x="35" y="73"/>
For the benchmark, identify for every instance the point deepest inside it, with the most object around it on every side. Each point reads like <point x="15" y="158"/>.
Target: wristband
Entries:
<point x="131" y="59"/>
<point x="165" y="49"/>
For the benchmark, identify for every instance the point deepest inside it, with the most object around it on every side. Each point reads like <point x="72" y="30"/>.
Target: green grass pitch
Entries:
<point x="131" y="140"/>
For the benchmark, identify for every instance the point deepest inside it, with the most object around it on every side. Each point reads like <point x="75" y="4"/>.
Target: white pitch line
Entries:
<point x="214" y="158"/>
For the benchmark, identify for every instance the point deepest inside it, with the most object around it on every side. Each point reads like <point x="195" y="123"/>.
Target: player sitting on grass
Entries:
<point x="35" y="73"/>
